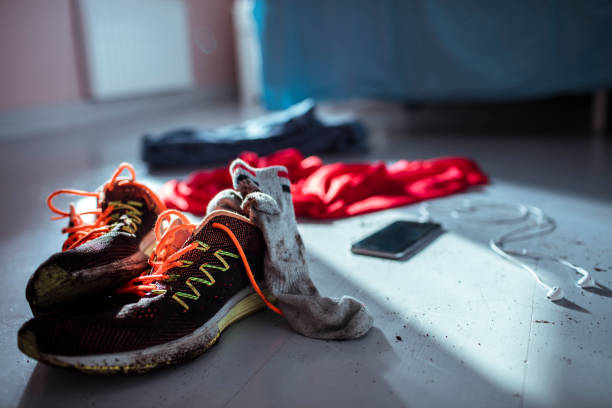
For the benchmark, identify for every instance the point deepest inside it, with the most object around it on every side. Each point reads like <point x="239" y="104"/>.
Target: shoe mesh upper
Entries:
<point x="157" y="319"/>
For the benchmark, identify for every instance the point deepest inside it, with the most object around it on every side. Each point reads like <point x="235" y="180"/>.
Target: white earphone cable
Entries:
<point x="538" y="224"/>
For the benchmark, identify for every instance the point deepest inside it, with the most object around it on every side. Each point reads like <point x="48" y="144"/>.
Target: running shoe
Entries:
<point x="101" y="255"/>
<point x="203" y="278"/>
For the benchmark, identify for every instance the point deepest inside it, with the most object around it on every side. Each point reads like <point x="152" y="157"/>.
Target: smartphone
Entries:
<point x="398" y="240"/>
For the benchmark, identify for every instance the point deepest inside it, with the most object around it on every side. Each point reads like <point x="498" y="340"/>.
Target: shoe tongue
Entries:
<point x="197" y="231"/>
<point x="179" y="238"/>
<point x="73" y="219"/>
<point x="125" y="192"/>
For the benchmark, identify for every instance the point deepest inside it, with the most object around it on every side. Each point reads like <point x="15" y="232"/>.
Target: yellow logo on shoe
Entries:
<point x="219" y="254"/>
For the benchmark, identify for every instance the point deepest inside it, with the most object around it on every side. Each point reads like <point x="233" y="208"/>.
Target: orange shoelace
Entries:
<point x="80" y="232"/>
<point x="166" y="256"/>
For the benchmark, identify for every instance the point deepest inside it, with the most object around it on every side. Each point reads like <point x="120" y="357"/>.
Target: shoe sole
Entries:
<point x="53" y="286"/>
<point x="185" y="348"/>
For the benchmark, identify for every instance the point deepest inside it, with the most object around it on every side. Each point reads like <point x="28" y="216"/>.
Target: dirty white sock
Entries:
<point x="264" y="195"/>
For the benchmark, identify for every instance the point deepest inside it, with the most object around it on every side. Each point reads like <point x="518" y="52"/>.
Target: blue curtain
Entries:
<point x="426" y="50"/>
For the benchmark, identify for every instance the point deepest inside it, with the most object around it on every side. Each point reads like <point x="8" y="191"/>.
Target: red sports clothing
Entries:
<point x="336" y="190"/>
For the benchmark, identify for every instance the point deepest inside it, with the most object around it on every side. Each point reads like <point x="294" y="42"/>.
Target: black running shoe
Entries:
<point x="202" y="280"/>
<point x="102" y="255"/>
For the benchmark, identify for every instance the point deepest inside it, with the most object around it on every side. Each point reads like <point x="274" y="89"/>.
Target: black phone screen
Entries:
<point x="397" y="237"/>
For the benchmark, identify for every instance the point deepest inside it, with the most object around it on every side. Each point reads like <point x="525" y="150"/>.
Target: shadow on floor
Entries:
<point x="261" y="362"/>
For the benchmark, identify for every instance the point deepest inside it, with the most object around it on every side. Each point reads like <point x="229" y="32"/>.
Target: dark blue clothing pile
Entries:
<point x="298" y="126"/>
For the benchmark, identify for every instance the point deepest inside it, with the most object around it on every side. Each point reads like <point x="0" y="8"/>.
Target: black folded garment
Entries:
<point x="298" y="126"/>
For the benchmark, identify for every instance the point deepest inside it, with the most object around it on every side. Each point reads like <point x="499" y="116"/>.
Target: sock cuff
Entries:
<point x="239" y="166"/>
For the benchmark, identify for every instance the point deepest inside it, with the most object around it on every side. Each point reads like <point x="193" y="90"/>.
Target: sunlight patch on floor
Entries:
<point x="458" y="294"/>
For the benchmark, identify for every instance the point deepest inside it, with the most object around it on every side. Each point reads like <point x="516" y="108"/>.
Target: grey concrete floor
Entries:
<point x="454" y="325"/>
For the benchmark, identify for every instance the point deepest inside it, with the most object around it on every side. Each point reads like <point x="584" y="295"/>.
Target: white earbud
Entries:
<point x="535" y="223"/>
<point x="554" y="293"/>
<point x="587" y="280"/>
